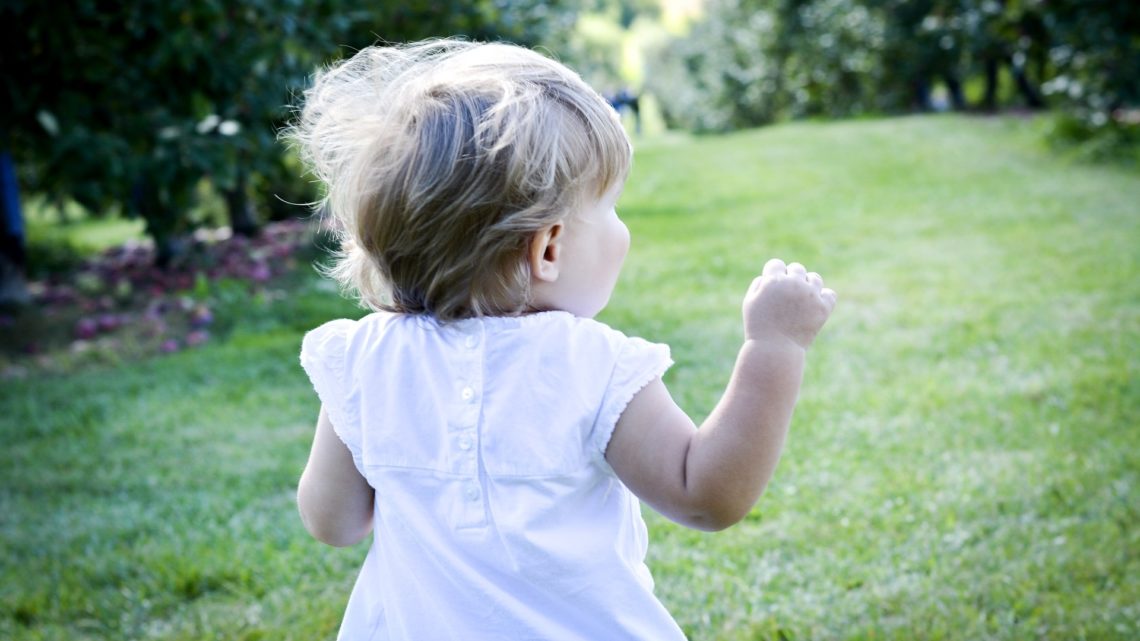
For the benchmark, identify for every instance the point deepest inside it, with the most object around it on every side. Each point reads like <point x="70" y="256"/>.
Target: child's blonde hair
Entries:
<point x="441" y="159"/>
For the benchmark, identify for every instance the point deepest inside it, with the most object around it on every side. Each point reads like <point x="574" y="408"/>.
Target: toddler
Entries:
<point x="493" y="437"/>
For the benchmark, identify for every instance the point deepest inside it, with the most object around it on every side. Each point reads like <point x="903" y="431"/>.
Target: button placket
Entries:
<point x="465" y="435"/>
<point x="471" y="491"/>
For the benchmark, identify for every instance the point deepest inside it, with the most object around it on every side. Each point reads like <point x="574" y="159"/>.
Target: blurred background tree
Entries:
<point x="750" y="62"/>
<point x="1092" y="58"/>
<point x="136" y="107"/>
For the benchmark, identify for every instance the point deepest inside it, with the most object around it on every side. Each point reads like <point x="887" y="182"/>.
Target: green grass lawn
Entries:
<point x="964" y="462"/>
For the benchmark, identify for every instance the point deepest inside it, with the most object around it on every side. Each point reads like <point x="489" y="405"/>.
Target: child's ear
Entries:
<point x="544" y="252"/>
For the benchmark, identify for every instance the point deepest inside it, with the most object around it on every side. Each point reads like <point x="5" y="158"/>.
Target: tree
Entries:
<point x="749" y="62"/>
<point x="1094" y="50"/>
<point x="130" y="106"/>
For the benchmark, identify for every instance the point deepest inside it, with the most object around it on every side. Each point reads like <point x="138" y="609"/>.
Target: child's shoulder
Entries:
<point x="587" y="343"/>
<point x="546" y="331"/>
<point x="336" y="338"/>
<point x="557" y="326"/>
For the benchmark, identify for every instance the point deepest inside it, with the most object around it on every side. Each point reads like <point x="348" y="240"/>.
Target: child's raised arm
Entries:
<point x="710" y="478"/>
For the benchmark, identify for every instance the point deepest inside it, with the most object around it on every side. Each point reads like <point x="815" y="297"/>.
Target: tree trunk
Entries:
<point x="243" y="220"/>
<point x="162" y="223"/>
<point x="954" y="88"/>
<point x="1028" y="92"/>
<point x="922" y="95"/>
<point x="13" y="287"/>
<point x="989" y="100"/>
<point x="13" y="254"/>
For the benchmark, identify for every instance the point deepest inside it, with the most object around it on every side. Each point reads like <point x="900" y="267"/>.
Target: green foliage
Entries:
<point x="594" y="48"/>
<point x="754" y="61"/>
<point x="624" y="12"/>
<point x="131" y="105"/>
<point x="831" y="53"/>
<point x="1096" y="61"/>
<point x="962" y="464"/>
<point x="1109" y="140"/>
<point x="750" y="62"/>
<point x="729" y="85"/>
<point x="608" y="43"/>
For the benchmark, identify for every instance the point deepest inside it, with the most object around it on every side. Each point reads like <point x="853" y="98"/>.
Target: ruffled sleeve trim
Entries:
<point x="324" y="353"/>
<point x="639" y="363"/>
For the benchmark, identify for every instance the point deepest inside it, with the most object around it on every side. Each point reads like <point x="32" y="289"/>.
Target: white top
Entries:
<point x="496" y="514"/>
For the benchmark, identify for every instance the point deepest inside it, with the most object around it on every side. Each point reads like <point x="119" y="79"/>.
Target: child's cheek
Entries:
<point x="623" y="242"/>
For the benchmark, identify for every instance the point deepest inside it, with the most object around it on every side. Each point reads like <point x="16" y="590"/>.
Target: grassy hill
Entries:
<point x="964" y="462"/>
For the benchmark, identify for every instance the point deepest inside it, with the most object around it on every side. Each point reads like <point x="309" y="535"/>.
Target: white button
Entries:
<point x="465" y="443"/>
<point x="468" y="393"/>
<point x="471" y="342"/>
<point x="472" y="492"/>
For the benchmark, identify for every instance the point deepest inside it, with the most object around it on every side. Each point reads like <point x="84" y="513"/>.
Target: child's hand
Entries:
<point x="786" y="302"/>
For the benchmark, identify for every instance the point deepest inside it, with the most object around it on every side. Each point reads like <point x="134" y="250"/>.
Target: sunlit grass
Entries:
<point x="71" y="227"/>
<point x="964" y="462"/>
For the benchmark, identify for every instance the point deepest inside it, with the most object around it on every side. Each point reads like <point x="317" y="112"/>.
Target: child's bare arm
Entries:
<point x="335" y="501"/>
<point x="710" y="478"/>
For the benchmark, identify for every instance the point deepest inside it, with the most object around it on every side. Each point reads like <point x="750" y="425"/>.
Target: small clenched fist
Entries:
<point x="787" y="302"/>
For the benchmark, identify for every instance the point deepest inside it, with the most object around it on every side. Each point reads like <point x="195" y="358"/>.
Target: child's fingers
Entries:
<point x="797" y="270"/>
<point x="829" y="297"/>
<point x="774" y="267"/>
<point x="815" y="280"/>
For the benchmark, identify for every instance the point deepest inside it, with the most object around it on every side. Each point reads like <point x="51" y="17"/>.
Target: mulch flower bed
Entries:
<point x="118" y="306"/>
